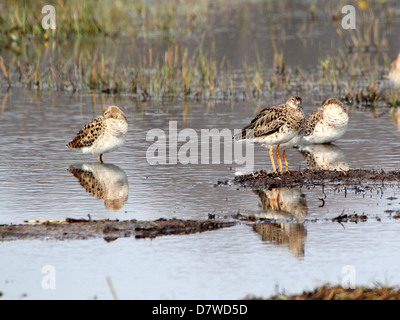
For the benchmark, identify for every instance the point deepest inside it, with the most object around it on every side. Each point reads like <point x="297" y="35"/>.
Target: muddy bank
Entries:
<point x="109" y="230"/>
<point x="79" y="229"/>
<point x="354" y="177"/>
<point x="327" y="292"/>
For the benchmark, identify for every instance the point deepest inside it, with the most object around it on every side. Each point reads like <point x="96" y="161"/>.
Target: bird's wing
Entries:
<point x="312" y="120"/>
<point x="88" y="134"/>
<point x="268" y="121"/>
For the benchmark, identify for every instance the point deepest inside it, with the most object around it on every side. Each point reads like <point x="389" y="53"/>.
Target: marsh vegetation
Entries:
<point x="158" y="50"/>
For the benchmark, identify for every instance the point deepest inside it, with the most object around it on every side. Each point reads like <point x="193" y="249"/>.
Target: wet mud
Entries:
<point x="327" y="292"/>
<point x="109" y="230"/>
<point x="309" y="177"/>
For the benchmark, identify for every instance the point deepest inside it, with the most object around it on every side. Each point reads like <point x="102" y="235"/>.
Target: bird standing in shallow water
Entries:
<point x="326" y="124"/>
<point x="103" y="134"/>
<point x="274" y="126"/>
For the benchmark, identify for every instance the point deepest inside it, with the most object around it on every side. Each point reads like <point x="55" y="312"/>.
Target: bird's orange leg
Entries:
<point x="278" y="157"/>
<point x="278" y="200"/>
<point x="271" y="155"/>
<point x="100" y="158"/>
<point x="284" y="159"/>
<point x="271" y="200"/>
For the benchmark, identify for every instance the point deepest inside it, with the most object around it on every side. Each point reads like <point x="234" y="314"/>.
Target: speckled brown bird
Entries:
<point x="103" y="134"/>
<point x="328" y="123"/>
<point x="274" y="126"/>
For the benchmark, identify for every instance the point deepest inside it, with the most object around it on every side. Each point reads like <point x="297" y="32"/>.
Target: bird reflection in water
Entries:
<point x="280" y="206"/>
<point x="324" y="157"/>
<point x="107" y="182"/>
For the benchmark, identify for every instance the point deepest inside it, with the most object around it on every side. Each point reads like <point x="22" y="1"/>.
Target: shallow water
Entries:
<point x="36" y="181"/>
<point x="226" y="264"/>
<point x="303" y="248"/>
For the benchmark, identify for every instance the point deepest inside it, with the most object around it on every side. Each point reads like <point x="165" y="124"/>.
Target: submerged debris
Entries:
<point x="350" y="218"/>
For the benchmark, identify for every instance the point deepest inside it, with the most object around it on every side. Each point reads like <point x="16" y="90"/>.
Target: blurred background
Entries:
<point x="201" y="49"/>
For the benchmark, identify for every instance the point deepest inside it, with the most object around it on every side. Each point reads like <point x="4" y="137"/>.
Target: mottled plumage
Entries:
<point x="88" y="134"/>
<point x="103" y="134"/>
<point x="103" y="181"/>
<point x="274" y="126"/>
<point x="314" y="118"/>
<point x="267" y="126"/>
<point x="326" y="124"/>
